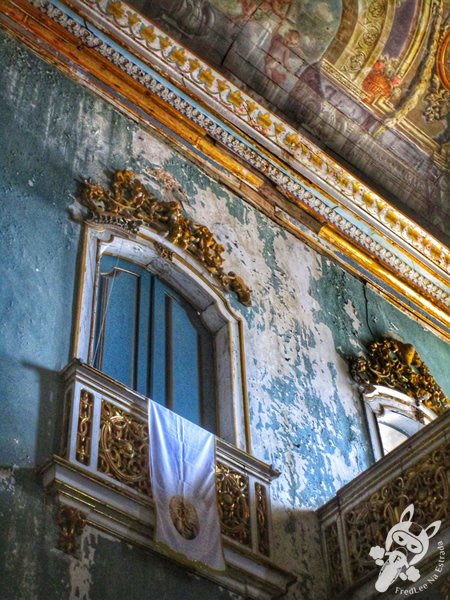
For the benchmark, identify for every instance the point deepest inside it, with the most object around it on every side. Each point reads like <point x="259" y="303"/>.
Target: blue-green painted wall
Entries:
<point x="308" y="316"/>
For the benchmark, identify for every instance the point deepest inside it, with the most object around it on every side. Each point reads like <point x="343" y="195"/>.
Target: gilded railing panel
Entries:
<point x="234" y="503"/>
<point x="362" y="514"/>
<point x="425" y="485"/>
<point x="262" y="519"/>
<point x="123" y="448"/>
<point x="333" y="551"/>
<point x="84" y="433"/>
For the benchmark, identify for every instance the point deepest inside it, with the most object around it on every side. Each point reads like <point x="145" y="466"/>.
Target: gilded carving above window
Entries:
<point x="398" y="366"/>
<point x="129" y="204"/>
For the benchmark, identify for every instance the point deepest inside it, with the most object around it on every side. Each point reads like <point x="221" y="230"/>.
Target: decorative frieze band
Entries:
<point x="272" y="128"/>
<point x="255" y="117"/>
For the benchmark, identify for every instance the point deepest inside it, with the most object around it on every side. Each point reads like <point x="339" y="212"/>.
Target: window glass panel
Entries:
<point x="142" y="384"/>
<point x="185" y="365"/>
<point x="149" y="338"/>
<point x="158" y="351"/>
<point x="207" y="389"/>
<point x="390" y="437"/>
<point x="395" y="428"/>
<point x="119" y="302"/>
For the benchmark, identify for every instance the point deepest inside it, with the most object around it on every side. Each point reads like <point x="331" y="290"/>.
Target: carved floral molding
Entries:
<point x="129" y="204"/>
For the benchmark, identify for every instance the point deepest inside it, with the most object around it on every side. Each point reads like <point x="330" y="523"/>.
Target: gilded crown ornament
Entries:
<point x="129" y="204"/>
<point x="397" y="365"/>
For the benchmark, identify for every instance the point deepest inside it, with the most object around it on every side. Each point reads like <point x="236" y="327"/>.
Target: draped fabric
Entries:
<point x="182" y="467"/>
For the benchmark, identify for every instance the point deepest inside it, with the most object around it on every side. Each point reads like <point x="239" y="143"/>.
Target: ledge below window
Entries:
<point x="102" y="478"/>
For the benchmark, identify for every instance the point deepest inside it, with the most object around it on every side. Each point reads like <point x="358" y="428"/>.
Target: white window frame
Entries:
<point x="185" y="275"/>
<point x="394" y="406"/>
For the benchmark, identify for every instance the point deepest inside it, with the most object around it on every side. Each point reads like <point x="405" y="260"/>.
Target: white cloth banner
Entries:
<point x="183" y="483"/>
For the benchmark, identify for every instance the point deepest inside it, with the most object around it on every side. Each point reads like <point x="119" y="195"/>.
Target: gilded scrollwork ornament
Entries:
<point x="233" y="503"/>
<point x="123" y="448"/>
<point x="129" y="204"/>
<point x="71" y="522"/>
<point x="398" y="366"/>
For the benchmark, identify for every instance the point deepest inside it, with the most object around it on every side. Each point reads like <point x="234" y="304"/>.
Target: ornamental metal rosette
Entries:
<point x="71" y="522"/>
<point x="128" y="203"/>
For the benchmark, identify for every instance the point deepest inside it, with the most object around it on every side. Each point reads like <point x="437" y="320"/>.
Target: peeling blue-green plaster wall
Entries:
<point x="308" y="316"/>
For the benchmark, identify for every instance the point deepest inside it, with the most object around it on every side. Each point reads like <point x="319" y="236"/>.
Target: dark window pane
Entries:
<point x="149" y="338"/>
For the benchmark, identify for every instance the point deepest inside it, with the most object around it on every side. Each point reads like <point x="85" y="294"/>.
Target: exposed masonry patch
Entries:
<point x="7" y="480"/>
<point x="80" y="570"/>
<point x="263" y="165"/>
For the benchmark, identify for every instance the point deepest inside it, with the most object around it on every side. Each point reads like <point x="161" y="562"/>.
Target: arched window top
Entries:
<point x="393" y="417"/>
<point x="194" y="287"/>
<point x="400" y="394"/>
<point x="129" y="204"/>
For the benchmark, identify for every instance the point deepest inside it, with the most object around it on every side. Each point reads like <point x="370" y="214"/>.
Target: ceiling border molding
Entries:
<point x="378" y="237"/>
<point x="197" y="76"/>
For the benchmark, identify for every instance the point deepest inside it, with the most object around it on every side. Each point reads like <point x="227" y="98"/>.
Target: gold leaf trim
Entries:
<point x="129" y="204"/>
<point x="398" y="366"/>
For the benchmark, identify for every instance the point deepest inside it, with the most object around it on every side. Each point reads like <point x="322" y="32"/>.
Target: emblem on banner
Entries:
<point x="184" y="517"/>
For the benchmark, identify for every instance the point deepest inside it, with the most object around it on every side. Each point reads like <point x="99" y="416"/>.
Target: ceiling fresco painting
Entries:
<point x="367" y="79"/>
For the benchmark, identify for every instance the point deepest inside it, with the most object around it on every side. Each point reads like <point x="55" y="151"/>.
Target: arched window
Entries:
<point x="148" y="337"/>
<point x="151" y="317"/>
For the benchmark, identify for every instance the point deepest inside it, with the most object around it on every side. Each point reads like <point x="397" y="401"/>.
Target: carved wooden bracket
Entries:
<point x="71" y="522"/>
<point x="130" y="205"/>
<point x="398" y="366"/>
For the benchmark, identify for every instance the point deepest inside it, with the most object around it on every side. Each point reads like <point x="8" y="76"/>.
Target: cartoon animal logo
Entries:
<point x="406" y="543"/>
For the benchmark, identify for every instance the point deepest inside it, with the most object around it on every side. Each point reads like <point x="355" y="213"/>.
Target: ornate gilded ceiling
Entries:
<point x="369" y="79"/>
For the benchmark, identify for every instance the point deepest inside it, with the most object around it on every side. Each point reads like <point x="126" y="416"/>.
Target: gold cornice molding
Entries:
<point x="162" y="52"/>
<point x="129" y="204"/>
<point x="391" y="279"/>
<point x="49" y="39"/>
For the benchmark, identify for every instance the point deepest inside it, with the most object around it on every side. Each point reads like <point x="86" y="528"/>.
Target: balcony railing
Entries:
<point x="102" y="477"/>
<point x="361" y="514"/>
